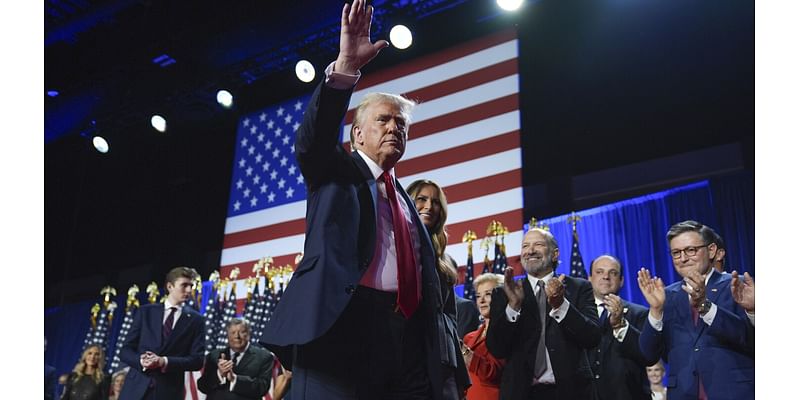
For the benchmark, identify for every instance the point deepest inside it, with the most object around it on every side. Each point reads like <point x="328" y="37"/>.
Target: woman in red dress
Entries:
<point x="484" y="370"/>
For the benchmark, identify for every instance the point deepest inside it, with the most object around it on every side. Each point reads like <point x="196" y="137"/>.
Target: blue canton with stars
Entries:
<point x="265" y="171"/>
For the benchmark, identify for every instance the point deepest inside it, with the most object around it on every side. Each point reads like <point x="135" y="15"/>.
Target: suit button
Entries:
<point x="349" y="289"/>
<point x="597" y="362"/>
<point x="597" y="376"/>
<point x="696" y="349"/>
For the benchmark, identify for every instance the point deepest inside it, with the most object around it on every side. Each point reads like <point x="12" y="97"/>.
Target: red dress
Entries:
<point x="484" y="370"/>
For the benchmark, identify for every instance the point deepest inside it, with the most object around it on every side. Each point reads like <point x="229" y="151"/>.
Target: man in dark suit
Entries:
<point x="165" y="340"/>
<point x="617" y="364"/>
<point x="467" y="316"/>
<point x="362" y="316"/>
<point x="242" y="371"/>
<point x="542" y="325"/>
<point x="695" y="324"/>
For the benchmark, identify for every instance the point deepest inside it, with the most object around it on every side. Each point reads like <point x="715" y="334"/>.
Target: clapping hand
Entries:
<point x="513" y="290"/>
<point x="744" y="292"/>
<point x="555" y="291"/>
<point x="613" y="304"/>
<point x="653" y="291"/>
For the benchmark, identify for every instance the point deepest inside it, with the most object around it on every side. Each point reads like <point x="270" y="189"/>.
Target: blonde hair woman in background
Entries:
<point x="484" y="369"/>
<point x="87" y="380"/>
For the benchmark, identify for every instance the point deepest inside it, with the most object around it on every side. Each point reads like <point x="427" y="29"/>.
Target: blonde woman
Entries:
<point x="117" y="380"/>
<point x="87" y="380"/>
<point x="484" y="369"/>
<point x="655" y="374"/>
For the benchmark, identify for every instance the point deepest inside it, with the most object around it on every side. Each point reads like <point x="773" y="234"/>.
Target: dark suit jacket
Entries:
<point x="50" y="382"/>
<point x="254" y="374"/>
<point x="720" y="354"/>
<point x="619" y="368"/>
<point x="566" y="341"/>
<point x="340" y="242"/>
<point x="467" y="316"/>
<point x="183" y="349"/>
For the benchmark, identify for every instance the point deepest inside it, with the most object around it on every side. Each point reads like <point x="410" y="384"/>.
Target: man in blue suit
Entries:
<point x="695" y="325"/>
<point x="165" y="341"/>
<point x="362" y="316"/>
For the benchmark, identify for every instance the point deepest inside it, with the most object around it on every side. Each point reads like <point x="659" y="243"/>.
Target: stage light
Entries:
<point x="304" y="71"/>
<point x="225" y="98"/>
<point x="52" y="93"/>
<point x="100" y="144"/>
<point x="159" y="123"/>
<point x="400" y="37"/>
<point x="509" y="5"/>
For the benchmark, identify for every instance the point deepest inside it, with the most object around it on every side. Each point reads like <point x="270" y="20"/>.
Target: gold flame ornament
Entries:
<point x="152" y="292"/>
<point x="107" y="292"/>
<point x="133" y="291"/>
<point x="468" y="238"/>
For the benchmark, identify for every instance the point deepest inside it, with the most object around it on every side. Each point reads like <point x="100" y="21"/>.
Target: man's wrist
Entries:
<point x="704" y="307"/>
<point x="621" y="324"/>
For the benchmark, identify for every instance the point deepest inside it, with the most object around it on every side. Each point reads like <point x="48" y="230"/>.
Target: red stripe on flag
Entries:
<point x="464" y="116"/>
<point x="483" y="186"/>
<point x="269" y="232"/>
<point x="438" y="58"/>
<point x="459" y="154"/>
<point x="511" y="219"/>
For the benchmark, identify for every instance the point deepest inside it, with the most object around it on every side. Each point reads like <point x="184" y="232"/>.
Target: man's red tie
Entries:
<point x="407" y="285"/>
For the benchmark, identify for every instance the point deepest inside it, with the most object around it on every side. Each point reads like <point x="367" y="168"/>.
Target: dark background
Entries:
<point x="618" y="98"/>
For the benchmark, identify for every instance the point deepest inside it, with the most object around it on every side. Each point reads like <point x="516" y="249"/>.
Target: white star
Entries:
<point x="268" y="145"/>
<point x="270" y="124"/>
<point x="246" y="192"/>
<point x="239" y="184"/>
<point x="271" y="197"/>
<point x="265" y="166"/>
<point x="256" y="180"/>
<point x="281" y="183"/>
<point x="249" y="171"/>
<point x="298" y="105"/>
<point x="291" y="149"/>
<point x="289" y="193"/>
<point x="262" y="117"/>
<point x="260" y="137"/>
<point x="292" y="169"/>
<point x="295" y="126"/>
<point x="253" y="201"/>
<point x="278" y="132"/>
<point x="253" y="130"/>
<point x="300" y="179"/>
<point x="286" y="140"/>
<point x="242" y="163"/>
<point x="276" y="153"/>
<point x="258" y="158"/>
<point x="287" y="119"/>
<point x="251" y="150"/>
<point x="273" y="175"/>
<point x="284" y="160"/>
<point x="263" y="188"/>
<point x="244" y="142"/>
<point x="246" y="122"/>
<point x="280" y="111"/>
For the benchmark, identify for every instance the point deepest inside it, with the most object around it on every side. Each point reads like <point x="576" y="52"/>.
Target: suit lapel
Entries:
<point x="712" y="294"/>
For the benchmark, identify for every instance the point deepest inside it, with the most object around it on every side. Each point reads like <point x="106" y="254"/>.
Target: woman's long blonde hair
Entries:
<point x="80" y="367"/>
<point x="438" y="232"/>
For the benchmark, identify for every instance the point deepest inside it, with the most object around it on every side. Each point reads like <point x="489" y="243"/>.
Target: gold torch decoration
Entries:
<point x="132" y="302"/>
<point x="468" y="238"/>
<point x="534" y="223"/>
<point x="107" y="292"/>
<point x="95" y="310"/>
<point x="152" y="292"/>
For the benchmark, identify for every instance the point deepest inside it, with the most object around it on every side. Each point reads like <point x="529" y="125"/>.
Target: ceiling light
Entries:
<point x="304" y="71"/>
<point x="400" y="37"/>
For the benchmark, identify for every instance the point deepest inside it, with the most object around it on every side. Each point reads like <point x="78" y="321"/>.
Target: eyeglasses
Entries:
<point x="690" y="251"/>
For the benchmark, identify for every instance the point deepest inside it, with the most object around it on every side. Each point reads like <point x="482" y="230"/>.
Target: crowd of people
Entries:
<point x="371" y="313"/>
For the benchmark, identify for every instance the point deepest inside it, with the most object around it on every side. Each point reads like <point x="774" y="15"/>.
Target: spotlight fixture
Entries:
<point x="100" y="144"/>
<point x="400" y="37"/>
<point x="509" y="5"/>
<point x="304" y="71"/>
<point x="225" y="98"/>
<point x="159" y="123"/>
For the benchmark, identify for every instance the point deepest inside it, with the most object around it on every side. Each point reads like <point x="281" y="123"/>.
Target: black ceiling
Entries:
<point x="604" y="83"/>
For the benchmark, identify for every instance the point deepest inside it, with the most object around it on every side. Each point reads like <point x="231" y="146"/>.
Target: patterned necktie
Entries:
<point x="540" y="366"/>
<point x="166" y="330"/>
<point x="407" y="283"/>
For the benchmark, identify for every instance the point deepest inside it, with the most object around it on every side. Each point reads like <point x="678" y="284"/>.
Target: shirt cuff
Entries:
<point x="657" y="324"/>
<point x="166" y="362"/>
<point x="620" y="333"/>
<point x="221" y="378"/>
<point x="233" y="382"/>
<point x="511" y="314"/>
<point x="338" y="80"/>
<point x="709" y="317"/>
<point x="560" y="312"/>
<point x="751" y="317"/>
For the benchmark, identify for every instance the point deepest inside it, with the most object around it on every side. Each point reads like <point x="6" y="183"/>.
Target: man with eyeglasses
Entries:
<point x="696" y="324"/>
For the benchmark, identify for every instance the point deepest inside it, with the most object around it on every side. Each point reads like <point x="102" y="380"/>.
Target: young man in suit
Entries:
<point x="165" y="340"/>
<point x="695" y="323"/>
<point x="242" y="371"/>
<point x="542" y="325"/>
<point x="617" y="364"/>
<point x="362" y="317"/>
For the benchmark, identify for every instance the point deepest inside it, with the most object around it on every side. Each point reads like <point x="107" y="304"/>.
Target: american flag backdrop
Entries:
<point x="465" y="135"/>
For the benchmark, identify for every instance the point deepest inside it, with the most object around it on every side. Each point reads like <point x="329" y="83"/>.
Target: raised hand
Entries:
<point x="355" y="47"/>
<point x="695" y="285"/>
<point x="554" y="289"/>
<point x="653" y="291"/>
<point x="744" y="293"/>
<point x="513" y="290"/>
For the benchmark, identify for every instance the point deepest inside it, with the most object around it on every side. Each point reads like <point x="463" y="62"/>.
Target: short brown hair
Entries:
<point x="180" y="272"/>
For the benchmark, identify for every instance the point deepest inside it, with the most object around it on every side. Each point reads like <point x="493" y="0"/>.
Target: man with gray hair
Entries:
<point x="542" y="325"/>
<point x="241" y="371"/>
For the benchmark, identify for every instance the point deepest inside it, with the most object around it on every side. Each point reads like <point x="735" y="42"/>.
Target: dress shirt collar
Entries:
<point x="534" y="280"/>
<point x="168" y="304"/>
<point x="373" y="166"/>
<point x="243" y="351"/>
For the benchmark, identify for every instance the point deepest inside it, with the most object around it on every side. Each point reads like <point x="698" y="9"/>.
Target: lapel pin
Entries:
<point x="714" y="289"/>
